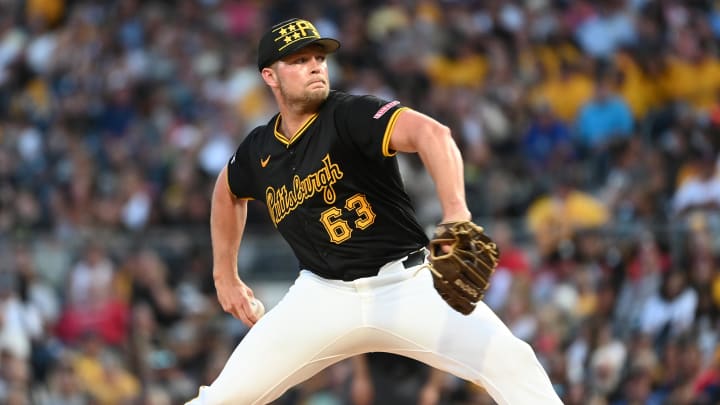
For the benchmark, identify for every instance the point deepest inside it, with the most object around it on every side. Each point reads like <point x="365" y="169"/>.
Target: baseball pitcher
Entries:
<point x="369" y="279"/>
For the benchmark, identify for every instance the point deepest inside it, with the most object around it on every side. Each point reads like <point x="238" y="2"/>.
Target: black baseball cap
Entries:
<point x="288" y="37"/>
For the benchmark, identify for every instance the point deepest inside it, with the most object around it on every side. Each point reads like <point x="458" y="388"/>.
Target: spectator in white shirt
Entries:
<point x="20" y="323"/>
<point x="701" y="191"/>
<point x="671" y="311"/>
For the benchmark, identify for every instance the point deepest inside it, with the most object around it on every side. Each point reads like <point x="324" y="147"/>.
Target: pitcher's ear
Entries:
<point x="269" y="76"/>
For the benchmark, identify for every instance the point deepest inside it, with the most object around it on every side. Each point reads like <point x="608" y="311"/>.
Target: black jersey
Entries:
<point x="333" y="190"/>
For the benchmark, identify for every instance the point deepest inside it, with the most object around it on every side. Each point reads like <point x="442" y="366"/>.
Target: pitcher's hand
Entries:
<point x="236" y="297"/>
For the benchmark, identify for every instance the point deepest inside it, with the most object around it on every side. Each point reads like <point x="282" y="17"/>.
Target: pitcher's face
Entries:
<point x="302" y="77"/>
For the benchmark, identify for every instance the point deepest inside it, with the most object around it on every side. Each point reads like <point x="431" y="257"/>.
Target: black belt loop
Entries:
<point x="415" y="258"/>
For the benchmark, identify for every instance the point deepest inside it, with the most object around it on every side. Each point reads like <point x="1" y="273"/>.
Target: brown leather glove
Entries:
<point x="462" y="259"/>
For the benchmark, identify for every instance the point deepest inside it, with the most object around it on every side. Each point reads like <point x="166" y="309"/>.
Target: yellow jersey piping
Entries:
<point x="388" y="133"/>
<point x="296" y="135"/>
<point x="227" y="185"/>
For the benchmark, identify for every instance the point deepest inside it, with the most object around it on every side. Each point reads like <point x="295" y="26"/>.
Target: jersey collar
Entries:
<point x="296" y="135"/>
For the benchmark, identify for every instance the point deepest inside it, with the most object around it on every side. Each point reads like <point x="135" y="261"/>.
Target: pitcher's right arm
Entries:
<point x="227" y="224"/>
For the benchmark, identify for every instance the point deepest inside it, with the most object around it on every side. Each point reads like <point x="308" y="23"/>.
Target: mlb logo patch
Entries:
<point x="385" y="109"/>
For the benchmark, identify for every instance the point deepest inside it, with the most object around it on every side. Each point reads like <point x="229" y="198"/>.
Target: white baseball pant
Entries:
<point x="320" y="322"/>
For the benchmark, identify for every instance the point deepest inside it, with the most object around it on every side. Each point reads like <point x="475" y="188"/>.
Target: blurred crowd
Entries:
<point x="590" y="132"/>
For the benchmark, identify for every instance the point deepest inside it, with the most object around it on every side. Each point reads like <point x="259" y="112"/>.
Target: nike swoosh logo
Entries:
<point x="264" y="162"/>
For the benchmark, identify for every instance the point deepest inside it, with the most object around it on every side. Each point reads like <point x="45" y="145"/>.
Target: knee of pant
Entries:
<point x="519" y="351"/>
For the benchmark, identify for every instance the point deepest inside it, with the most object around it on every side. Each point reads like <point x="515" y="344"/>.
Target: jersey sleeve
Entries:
<point x="369" y="122"/>
<point x="239" y="178"/>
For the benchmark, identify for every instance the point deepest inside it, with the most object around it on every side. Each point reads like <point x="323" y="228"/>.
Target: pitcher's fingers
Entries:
<point x="248" y="316"/>
<point x="237" y="312"/>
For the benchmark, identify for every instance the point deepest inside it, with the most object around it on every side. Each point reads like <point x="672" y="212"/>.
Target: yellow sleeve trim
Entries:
<point x="388" y="133"/>
<point x="227" y="185"/>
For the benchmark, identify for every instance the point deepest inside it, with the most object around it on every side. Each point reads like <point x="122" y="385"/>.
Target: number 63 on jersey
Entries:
<point x="340" y="229"/>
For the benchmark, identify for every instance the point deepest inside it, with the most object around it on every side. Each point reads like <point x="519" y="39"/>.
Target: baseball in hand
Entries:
<point x="257" y="307"/>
